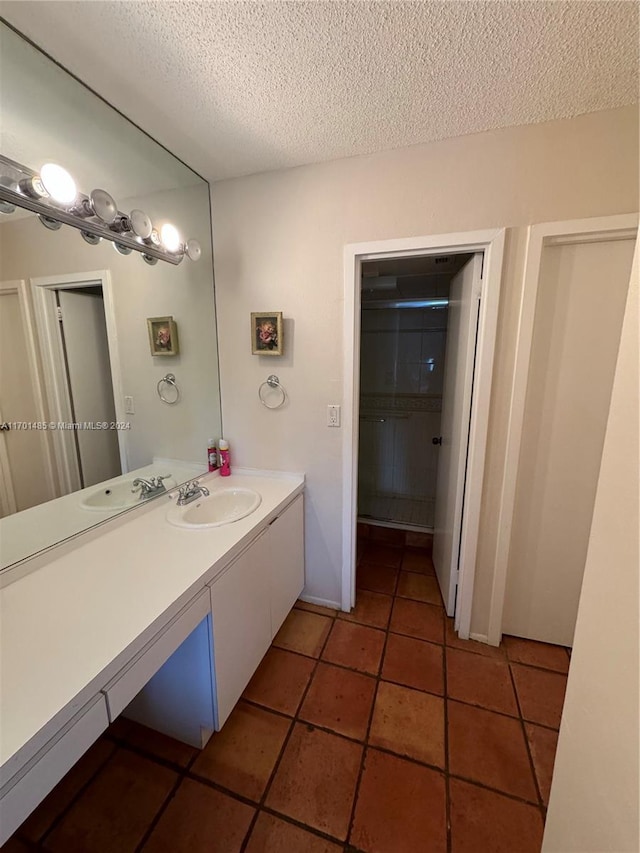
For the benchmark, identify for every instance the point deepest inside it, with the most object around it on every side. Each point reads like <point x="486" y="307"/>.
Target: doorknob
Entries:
<point x="437" y="439"/>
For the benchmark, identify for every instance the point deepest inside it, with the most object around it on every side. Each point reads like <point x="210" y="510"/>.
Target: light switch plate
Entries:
<point x="128" y="406"/>
<point x="333" y="416"/>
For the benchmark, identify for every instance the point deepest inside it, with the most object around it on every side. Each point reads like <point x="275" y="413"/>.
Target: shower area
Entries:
<point x="404" y="310"/>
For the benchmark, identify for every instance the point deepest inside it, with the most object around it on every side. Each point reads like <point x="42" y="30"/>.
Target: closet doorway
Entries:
<point x="416" y="385"/>
<point x="421" y="354"/>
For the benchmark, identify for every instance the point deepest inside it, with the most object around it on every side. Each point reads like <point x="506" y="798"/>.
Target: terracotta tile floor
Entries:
<point x="378" y="731"/>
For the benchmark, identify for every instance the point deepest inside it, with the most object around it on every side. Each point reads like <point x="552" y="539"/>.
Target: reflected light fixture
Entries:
<point x="49" y="222"/>
<point x="7" y="206"/>
<point x="140" y="224"/>
<point x="170" y="238"/>
<point x="58" y="183"/>
<point x="91" y="239"/>
<point x="53" y="195"/>
<point x="192" y="250"/>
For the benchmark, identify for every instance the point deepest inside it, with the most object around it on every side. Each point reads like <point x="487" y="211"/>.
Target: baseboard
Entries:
<point x="321" y="602"/>
<point x="480" y="638"/>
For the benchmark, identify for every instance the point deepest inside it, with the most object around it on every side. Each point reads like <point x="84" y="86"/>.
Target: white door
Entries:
<point x="24" y="453"/>
<point x="582" y="290"/>
<point x="462" y="327"/>
<point x="89" y="372"/>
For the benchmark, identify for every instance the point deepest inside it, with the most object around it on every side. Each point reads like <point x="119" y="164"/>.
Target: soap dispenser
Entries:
<point x="225" y="466"/>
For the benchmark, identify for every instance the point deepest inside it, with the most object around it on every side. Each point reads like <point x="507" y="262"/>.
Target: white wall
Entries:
<point x="28" y="250"/>
<point x="279" y="239"/>
<point x="594" y="795"/>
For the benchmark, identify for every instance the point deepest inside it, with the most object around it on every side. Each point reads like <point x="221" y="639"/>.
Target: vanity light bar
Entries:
<point x="52" y="194"/>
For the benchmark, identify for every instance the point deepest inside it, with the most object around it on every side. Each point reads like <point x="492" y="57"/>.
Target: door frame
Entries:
<point x="491" y="242"/>
<point x="597" y="229"/>
<point x="57" y="390"/>
<point x="7" y="495"/>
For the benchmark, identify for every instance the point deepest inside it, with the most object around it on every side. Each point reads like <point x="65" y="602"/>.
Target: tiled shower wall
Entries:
<point x="401" y="376"/>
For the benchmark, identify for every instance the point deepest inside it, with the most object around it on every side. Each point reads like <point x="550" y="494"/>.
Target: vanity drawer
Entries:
<point x="30" y="785"/>
<point x="129" y="681"/>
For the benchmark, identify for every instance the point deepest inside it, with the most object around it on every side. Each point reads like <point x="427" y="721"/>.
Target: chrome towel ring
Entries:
<point x="272" y="382"/>
<point x="170" y="381"/>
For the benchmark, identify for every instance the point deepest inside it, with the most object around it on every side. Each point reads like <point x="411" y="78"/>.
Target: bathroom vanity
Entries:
<point x="182" y="614"/>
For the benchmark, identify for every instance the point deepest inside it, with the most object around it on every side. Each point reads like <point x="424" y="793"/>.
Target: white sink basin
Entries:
<point x="116" y="496"/>
<point x="222" y="506"/>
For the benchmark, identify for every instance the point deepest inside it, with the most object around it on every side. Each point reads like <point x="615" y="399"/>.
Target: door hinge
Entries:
<point x="59" y="313"/>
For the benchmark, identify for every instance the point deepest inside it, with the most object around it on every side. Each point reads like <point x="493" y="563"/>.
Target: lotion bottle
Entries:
<point x="212" y="454"/>
<point x="225" y="466"/>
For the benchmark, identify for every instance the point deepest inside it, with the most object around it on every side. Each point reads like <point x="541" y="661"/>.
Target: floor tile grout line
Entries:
<point x="295" y="719"/>
<point x="57" y="820"/>
<point x="527" y="745"/>
<point x="537" y="668"/>
<point x="356" y="793"/>
<point x="447" y="776"/>
<point x="158" y="816"/>
<point x="183" y="773"/>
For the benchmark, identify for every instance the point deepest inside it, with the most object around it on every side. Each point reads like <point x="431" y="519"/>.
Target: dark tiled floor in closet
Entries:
<point x="379" y="731"/>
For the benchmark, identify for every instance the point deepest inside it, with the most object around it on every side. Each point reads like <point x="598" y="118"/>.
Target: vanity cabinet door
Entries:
<point x="286" y="561"/>
<point x="241" y="624"/>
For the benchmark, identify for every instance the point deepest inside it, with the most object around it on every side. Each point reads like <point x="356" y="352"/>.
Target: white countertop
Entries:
<point x="28" y="532"/>
<point x="70" y="625"/>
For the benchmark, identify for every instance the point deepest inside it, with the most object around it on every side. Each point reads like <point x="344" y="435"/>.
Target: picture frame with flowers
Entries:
<point x="163" y="336"/>
<point x="266" y="333"/>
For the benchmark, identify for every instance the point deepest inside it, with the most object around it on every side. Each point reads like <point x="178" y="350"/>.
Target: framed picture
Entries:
<point x="163" y="336"/>
<point x="266" y="333"/>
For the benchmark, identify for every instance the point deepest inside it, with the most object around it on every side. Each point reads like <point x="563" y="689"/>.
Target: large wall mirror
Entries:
<point x="87" y="333"/>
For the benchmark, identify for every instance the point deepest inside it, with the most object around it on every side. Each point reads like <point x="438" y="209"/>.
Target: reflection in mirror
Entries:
<point x="87" y="434"/>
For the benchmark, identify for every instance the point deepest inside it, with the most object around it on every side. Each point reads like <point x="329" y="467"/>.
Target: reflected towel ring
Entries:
<point x="272" y="382"/>
<point x="170" y="380"/>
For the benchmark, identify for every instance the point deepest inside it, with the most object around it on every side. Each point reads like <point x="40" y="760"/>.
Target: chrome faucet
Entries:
<point x="151" y="487"/>
<point x="191" y="491"/>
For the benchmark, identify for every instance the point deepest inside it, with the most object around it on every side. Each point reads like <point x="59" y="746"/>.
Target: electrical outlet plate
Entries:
<point x="333" y="416"/>
<point x="128" y="406"/>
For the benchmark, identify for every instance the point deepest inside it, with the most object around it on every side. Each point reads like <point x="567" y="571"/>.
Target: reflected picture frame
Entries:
<point x="267" y="336"/>
<point x="163" y="336"/>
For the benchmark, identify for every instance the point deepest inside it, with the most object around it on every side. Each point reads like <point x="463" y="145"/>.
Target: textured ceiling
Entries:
<point x="242" y="87"/>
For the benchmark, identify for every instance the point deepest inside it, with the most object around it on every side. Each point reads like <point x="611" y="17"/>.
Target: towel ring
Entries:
<point x="272" y="382"/>
<point x="169" y="380"/>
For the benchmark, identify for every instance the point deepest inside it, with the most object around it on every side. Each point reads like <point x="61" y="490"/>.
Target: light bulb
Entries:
<point x="140" y="224"/>
<point x="58" y="183"/>
<point x="170" y="237"/>
<point x="193" y="250"/>
<point x="104" y="206"/>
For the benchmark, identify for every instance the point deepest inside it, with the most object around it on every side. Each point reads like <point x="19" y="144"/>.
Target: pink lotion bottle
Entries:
<point x="225" y="462"/>
<point x="212" y="455"/>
